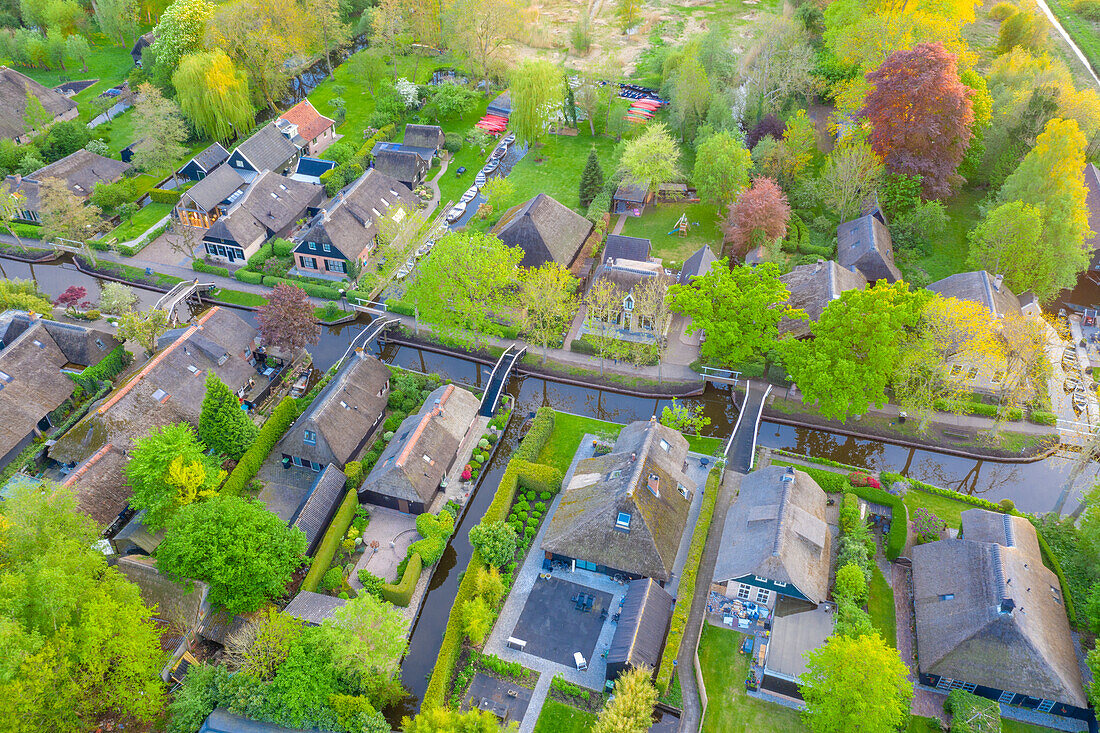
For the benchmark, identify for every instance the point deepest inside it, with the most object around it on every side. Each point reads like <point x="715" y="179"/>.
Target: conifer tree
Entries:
<point x="223" y="426"/>
<point x="591" y="179"/>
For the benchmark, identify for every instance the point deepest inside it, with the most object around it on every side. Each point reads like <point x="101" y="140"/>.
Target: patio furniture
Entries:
<point x="579" y="660"/>
<point x="460" y="171"/>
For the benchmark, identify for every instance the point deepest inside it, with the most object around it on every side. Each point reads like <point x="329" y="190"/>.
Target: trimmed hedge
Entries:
<point x="107" y="369"/>
<point x="330" y="543"/>
<point x="685" y="595"/>
<point x="247" y="276"/>
<point x="354" y="471"/>
<point x="163" y="196"/>
<point x="326" y="292"/>
<point x="282" y="417"/>
<point x="282" y="248"/>
<point x="1041" y="417"/>
<point x="538" y="477"/>
<point x="400" y="594"/>
<point x="967" y="407"/>
<point x="200" y="266"/>
<point x="400" y="307"/>
<point x="537" y="436"/>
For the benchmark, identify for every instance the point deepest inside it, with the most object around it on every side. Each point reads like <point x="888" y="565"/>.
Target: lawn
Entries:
<point x="949" y="256"/>
<point x="706" y="446"/>
<point x="880" y="606"/>
<point x="566" y="438"/>
<point x="944" y="507"/>
<point x="238" y="297"/>
<point x="1015" y="726"/>
<point x="657" y="221"/>
<point x="109" y="64"/>
<point x="557" y="717"/>
<point x="140" y="223"/>
<point x="729" y="708"/>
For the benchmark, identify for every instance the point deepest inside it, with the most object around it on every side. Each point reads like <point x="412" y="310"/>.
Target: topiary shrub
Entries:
<point x="332" y="580"/>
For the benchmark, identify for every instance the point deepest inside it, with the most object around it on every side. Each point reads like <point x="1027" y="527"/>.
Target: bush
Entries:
<point x="282" y="248"/>
<point x="850" y="584"/>
<point x="247" y="276"/>
<point x="899" y="524"/>
<point x="401" y="593"/>
<point x="1041" y="417"/>
<point x="1002" y="10"/>
<point x="326" y="292"/>
<point x="496" y="542"/>
<point x="452" y="142"/>
<point x="332" y="580"/>
<point x="1089" y="9"/>
<point x="354" y="471"/>
<point x="399" y="307"/>
<point x="161" y="196"/>
<point x="972" y="713"/>
<point x="200" y="266"/>
<point x="849" y="512"/>
<point x="537" y="436"/>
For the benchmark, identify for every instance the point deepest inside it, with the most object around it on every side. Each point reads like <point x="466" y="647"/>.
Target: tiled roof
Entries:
<point x="310" y="122"/>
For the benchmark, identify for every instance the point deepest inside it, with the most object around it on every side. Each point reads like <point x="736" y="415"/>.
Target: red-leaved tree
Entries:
<point x="72" y="296"/>
<point x="287" y="321"/>
<point x="758" y="216"/>
<point x="920" y="116"/>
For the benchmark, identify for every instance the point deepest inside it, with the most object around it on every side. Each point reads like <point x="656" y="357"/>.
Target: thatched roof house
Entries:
<point x="319" y="506"/>
<point x="865" y="244"/>
<point x="13" y="112"/>
<point x="979" y="287"/>
<point x="80" y="171"/>
<point x="545" y="230"/>
<point x="343" y="417"/>
<point x="313" y="608"/>
<point x="813" y="287"/>
<point x="990" y="617"/>
<point x="624" y="512"/>
<point x="775" y="540"/>
<point x="643" y="624"/>
<point x="425" y="140"/>
<point x="422" y="451"/>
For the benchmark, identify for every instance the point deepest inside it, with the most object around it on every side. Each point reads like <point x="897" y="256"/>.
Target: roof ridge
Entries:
<point x="95" y="458"/>
<point x="421" y="426"/>
<point x="781" y="515"/>
<point x="643" y="452"/>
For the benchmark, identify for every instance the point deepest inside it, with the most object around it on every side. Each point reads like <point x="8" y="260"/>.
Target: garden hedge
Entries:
<point x="162" y="196"/>
<point x="200" y="266"/>
<point x="685" y="595"/>
<point x="282" y="248"/>
<point x="282" y="417"/>
<point x="967" y="407"/>
<point x="313" y="290"/>
<point x="538" y="477"/>
<point x="331" y="542"/>
<point x="537" y="436"/>
<point x="1052" y="562"/>
<point x="400" y="307"/>
<point x="107" y="369"/>
<point x="354" y="471"/>
<point x="247" y="276"/>
<point x="1042" y="417"/>
<point x="401" y="593"/>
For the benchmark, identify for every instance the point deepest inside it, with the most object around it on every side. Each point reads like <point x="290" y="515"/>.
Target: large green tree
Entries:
<point x="246" y="553"/>
<point x="159" y="128"/>
<point x="739" y="308"/>
<point x="548" y="294"/>
<point x="722" y="167"/>
<point x="1009" y="242"/>
<point x="652" y="158"/>
<point x="855" y="684"/>
<point x="179" y="32"/>
<point x="444" y="720"/>
<point x="465" y="285"/>
<point x="169" y="469"/>
<point x="24" y="295"/>
<point x="223" y="426"/>
<point x="214" y="95"/>
<point x="856" y="343"/>
<point x="536" y="93"/>
<point x="79" y="645"/>
<point x="591" y="179"/>
<point x="631" y="710"/>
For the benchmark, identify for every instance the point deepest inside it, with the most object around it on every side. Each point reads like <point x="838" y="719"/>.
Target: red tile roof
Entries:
<point x="310" y="122"/>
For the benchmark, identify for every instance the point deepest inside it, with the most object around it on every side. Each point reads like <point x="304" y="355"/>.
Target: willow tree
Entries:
<point x="214" y="95"/>
<point x="536" y="88"/>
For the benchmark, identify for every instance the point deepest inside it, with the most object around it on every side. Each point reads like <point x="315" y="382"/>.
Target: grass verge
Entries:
<point x="557" y="717"/>
<point x="140" y="222"/>
<point x="237" y="297"/>
<point x="566" y="438"/>
<point x="880" y="607"/>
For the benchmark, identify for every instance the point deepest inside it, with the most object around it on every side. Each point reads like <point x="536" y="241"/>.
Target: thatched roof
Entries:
<point x="631" y="193"/>
<point x="319" y="506"/>
<point x="80" y="171"/>
<point x="169" y="388"/>
<point x="32" y="384"/>
<point x="218" y="626"/>
<point x="989" y="612"/>
<point x="309" y="121"/>
<point x="342" y="414"/>
<point x="267" y="149"/>
<point x="621" y="247"/>
<point x="13" y="93"/>
<point x="100" y="484"/>
<point x="813" y="287"/>
<point x="643" y="624"/>
<point x="545" y="230"/>
<point x="402" y="165"/>
<point x="348" y="222"/>
<point x="424" y="446"/>
<point x="640" y="477"/>
<point x="776" y="529"/>
<point x="313" y="608"/>
<point x="217" y="187"/>
<point x="979" y="287"/>
<point x="239" y="227"/>
<point x="698" y="264"/>
<point x="182" y="605"/>
<point x="276" y="201"/>
<point x="865" y="244"/>
<point x="423" y="136"/>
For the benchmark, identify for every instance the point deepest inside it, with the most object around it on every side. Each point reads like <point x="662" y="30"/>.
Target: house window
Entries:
<point x="623" y="521"/>
<point x="617" y="473"/>
<point x="1056" y="594"/>
<point x="654" y="484"/>
<point x="99" y="343"/>
<point x="5" y="377"/>
<point x="956" y="370"/>
<point x="327" y="247"/>
<point x="310" y="438"/>
<point x="1006" y="697"/>
<point x="761" y="580"/>
<point x="585" y="565"/>
<point x="160" y="396"/>
<point x="947" y="597"/>
<point x="628" y="303"/>
<point x="763" y="596"/>
<point x="309" y="263"/>
<point x="427" y="458"/>
<point x="1045" y="706"/>
<point x="665" y="446"/>
<point x="240" y="163"/>
<point x="335" y="266"/>
<point x="744" y="591"/>
<point x="779" y="583"/>
<point x="972" y="373"/>
<point x="682" y="489"/>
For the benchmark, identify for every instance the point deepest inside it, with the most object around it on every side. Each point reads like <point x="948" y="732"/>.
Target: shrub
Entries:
<point x="859" y="478"/>
<point x="161" y="196"/>
<point x="1089" y="9"/>
<point x="496" y="541"/>
<point x="478" y="617"/>
<point x="332" y="580"/>
<point x="354" y="471"/>
<point x="200" y="266"/>
<point x="247" y="276"/>
<point x="971" y="713"/>
<point x="282" y="248"/>
<point x="537" y="437"/>
<point x="320" y="291"/>
<point x="400" y="307"/>
<point x="1041" y="417"/>
<point x="850" y="584"/>
<point x="849" y="512"/>
<point x="282" y="417"/>
<point x="1002" y="10"/>
<point x="1008" y="506"/>
<point x="401" y="593"/>
<point x="927" y="525"/>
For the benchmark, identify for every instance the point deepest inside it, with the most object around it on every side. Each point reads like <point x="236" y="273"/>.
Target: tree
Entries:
<point x="179" y="32"/>
<point x="681" y="417"/>
<point x="144" y="327"/>
<point x="116" y="298"/>
<point x="223" y="426"/>
<point x="80" y="647"/>
<point x="481" y="29"/>
<point x="214" y="95"/>
<point x="449" y="101"/>
<point x="1022" y="28"/>
<point x="73" y="296"/>
<point x="246" y="553"/>
<point x="118" y="19"/>
<point x="1009" y="242"/>
<point x="629" y="12"/>
<point x="535" y="86"/>
<point x="66" y="216"/>
<point x="445" y="720"/>
<point x="920" y="115"/>
<point x="261" y="645"/>
<point x="691" y="92"/>
<point x="739" y="308"/>
<point x="159" y="128"/>
<point x="465" y="281"/>
<point x="758" y="217"/>
<point x="780" y="66"/>
<point x="368" y="66"/>
<point x="169" y="469"/>
<point x="603" y="304"/>
<point x="857" y="340"/>
<point x="1050" y="179"/>
<point x="498" y="190"/>
<point x="631" y="709"/>
<point x="850" y="583"/>
<point x="495" y="541"/>
<point x="78" y="49"/>
<point x="12" y="204"/>
<point x="651" y="159"/>
<point x="286" y="322"/>
<point x="855" y="683"/>
<point x="591" y="178"/>
<point x="35" y="116"/>
<point x="333" y="31"/>
<point x="367" y="636"/>
<point x="548" y="293"/>
<point x="722" y="167"/>
<point x="851" y="177"/>
<point x="24" y="295"/>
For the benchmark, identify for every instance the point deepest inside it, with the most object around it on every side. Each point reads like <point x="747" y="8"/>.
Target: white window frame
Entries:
<point x="744" y="591"/>
<point x="1045" y="706"/>
<point x="310" y="437"/>
<point x="763" y="596"/>
<point x="1006" y="697"/>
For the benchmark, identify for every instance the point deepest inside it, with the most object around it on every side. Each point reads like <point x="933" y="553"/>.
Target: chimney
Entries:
<point x="610" y="262"/>
<point x="997" y="280"/>
<point x="633" y="457"/>
<point x="18" y="178"/>
<point x="653" y="419"/>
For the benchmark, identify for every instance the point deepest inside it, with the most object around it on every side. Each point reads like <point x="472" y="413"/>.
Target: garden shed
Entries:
<point x="643" y="625"/>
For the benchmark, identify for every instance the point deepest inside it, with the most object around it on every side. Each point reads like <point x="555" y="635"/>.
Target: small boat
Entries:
<point x="456" y="213"/>
<point x="470" y="195"/>
<point x="424" y="249"/>
<point x="490" y="167"/>
<point x="299" y="387"/>
<point x="509" y="138"/>
<point x="403" y="272"/>
<point x="479" y="180"/>
<point x="1080" y="401"/>
<point x="499" y="153"/>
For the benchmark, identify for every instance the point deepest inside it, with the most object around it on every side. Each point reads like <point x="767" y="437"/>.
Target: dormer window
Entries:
<point x="665" y="445"/>
<point x="617" y="473"/>
<point x="683" y="490"/>
<point x="327" y="247"/>
<point x="310" y="438"/>
<point x="623" y="522"/>
<point x="654" y="484"/>
<point x="628" y="303"/>
<point x="99" y="343"/>
<point x="5" y="377"/>
<point x="428" y="459"/>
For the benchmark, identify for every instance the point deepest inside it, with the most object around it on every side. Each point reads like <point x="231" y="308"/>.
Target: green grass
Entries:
<point x="109" y="64"/>
<point x="949" y="256"/>
<point x="880" y="606"/>
<point x="918" y="724"/>
<point x="566" y="438"/>
<point x="1015" y="726"/>
<point x="729" y="709"/>
<point x="555" y="168"/>
<point x="557" y="717"/>
<point x="944" y="507"/>
<point x="141" y="222"/>
<point x="1081" y="30"/>
<point x="704" y="445"/>
<point x="658" y="220"/>
<point x="238" y="297"/>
